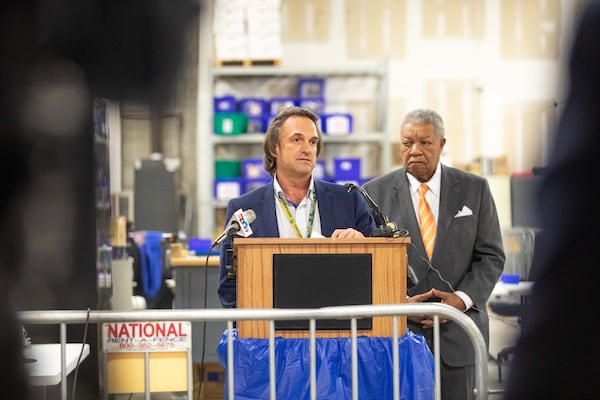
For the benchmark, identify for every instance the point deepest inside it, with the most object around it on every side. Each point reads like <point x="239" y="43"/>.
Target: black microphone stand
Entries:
<point x="385" y="228"/>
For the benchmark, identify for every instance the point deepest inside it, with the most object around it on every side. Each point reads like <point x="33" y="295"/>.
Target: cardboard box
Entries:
<point x="213" y="381"/>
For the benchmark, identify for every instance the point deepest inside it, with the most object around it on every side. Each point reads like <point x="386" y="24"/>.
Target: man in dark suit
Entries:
<point x="467" y="256"/>
<point x="294" y="204"/>
<point x="558" y="352"/>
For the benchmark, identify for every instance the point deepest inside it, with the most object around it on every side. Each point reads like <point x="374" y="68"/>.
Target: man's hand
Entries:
<point x="433" y="295"/>
<point x="450" y="298"/>
<point x="347" y="233"/>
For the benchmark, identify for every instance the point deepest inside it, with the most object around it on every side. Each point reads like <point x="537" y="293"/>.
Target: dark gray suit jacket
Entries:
<point x="468" y="250"/>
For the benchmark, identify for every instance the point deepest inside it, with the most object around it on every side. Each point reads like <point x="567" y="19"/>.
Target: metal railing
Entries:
<point x="353" y="313"/>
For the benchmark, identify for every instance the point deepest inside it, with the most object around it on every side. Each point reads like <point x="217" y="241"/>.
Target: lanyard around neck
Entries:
<point x="311" y="216"/>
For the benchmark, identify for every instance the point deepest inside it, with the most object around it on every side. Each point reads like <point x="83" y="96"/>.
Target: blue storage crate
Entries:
<point x="253" y="168"/>
<point x="228" y="188"/>
<point x="346" y="169"/>
<point x="311" y="87"/>
<point x="268" y="120"/>
<point x="251" y="184"/>
<point x="225" y="103"/>
<point x="199" y="246"/>
<point x="320" y="171"/>
<point x="314" y="104"/>
<point x="252" y="106"/>
<point x="336" y="123"/>
<point x="256" y="125"/>
<point x="279" y="103"/>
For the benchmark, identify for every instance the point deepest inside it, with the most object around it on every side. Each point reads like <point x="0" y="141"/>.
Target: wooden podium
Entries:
<point x="253" y="258"/>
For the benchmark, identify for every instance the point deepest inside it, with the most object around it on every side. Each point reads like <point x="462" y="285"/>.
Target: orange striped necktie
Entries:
<point x="426" y="221"/>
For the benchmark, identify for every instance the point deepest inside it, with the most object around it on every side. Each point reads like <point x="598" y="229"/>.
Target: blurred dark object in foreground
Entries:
<point x="129" y="49"/>
<point x="56" y="56"/>
<point x="557" y="352"/>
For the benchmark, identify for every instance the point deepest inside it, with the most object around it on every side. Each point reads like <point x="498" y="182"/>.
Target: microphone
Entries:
<point x="239" y="224"/>
<point x="385" y="228"/>
<point x="381" y="220"/>
<point x="411" y="276"/>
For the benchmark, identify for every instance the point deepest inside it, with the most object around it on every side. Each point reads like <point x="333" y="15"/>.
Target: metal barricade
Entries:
<point x="353" y="313"/>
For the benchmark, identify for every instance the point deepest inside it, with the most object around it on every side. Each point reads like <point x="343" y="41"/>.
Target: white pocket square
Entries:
<point x="465" y="211"/>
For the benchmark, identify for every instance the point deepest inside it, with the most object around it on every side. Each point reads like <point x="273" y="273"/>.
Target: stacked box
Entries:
<point x="229" y="30"/>
<point x="247" y="29"/>
<point x="263" y="23"/>
<point x="265" y="46"/>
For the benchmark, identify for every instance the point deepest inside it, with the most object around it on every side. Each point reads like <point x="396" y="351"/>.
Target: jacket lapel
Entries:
<point x="326" y="204"/>
<point x="403" y="202"/>
<point x="449" y="191"/>
<point x="267" y="212"/>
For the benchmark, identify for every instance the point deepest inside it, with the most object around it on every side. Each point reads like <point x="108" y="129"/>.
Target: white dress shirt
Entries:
<point x="300" y="212"/>
<point x="433" y="198"/>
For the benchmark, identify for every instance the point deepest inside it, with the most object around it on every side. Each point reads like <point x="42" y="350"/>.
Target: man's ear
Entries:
<point x="273" y="152"/>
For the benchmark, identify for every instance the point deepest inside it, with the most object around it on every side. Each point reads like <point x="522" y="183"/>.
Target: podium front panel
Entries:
<point x="254" y="269"/>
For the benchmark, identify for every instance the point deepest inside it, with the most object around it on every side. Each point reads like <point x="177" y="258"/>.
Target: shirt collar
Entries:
<point x="434" y="183"/>
<point x="279" y="192"/>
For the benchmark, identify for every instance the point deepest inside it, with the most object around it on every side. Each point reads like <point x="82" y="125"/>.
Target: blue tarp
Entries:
<point x="333" y="368"/>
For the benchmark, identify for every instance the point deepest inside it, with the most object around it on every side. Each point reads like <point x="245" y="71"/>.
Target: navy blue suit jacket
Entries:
<point x="338" y="209"/>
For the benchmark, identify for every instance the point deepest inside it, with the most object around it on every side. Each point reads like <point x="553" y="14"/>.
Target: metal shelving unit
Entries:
<point x="257" y="138"/>
<point x="380" y="137"/>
